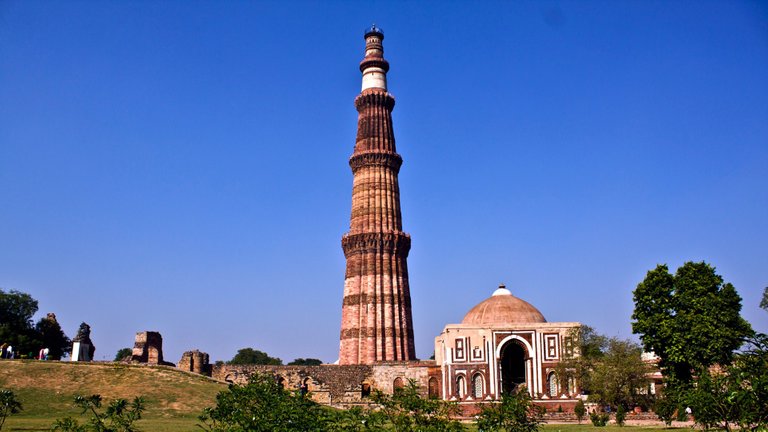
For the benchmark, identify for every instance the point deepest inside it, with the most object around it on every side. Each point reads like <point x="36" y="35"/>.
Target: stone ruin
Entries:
<point x="196" y="362"/>
<point x="82" y="346"/>
<point x="148" y="349"/>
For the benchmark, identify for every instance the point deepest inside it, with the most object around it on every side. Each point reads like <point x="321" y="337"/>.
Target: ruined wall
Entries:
<point x="195" y="361"/>
<point x="335" y="385"/>
<point x="148" y="348"/>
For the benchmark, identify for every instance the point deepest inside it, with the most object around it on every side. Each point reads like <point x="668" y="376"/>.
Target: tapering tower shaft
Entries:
<point x="376" y="323"/>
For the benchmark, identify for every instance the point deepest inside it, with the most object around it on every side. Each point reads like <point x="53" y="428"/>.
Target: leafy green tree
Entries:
<point x="407" y="410"/>
<point x="306" y="362"/>
<point x="119" y="416"/>
<point x="9" y="405"/>
<point x="610" y="370"/>
<point x="123" y="353"/>
<point x="737" y="395"/>
<point x="514" y="413"/>
<point x="52" y="337"/>
<point x="690" y="320"/>
<point x="16" y="328"/>
<point x="249" y="356"/>
<point x="263" y="405"/>
<point x="764" y="301"/>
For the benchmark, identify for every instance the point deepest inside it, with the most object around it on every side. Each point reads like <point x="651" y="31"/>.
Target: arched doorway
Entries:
<point x="513" y="357"/>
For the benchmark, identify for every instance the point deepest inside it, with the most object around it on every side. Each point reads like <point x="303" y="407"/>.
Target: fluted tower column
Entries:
<point x="376" y="323"/>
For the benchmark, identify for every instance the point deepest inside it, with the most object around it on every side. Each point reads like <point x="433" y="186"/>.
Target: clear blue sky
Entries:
<point x="182" y="166"/>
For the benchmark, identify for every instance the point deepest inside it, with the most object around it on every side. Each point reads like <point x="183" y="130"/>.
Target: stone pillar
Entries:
<point x="376" y="309"/>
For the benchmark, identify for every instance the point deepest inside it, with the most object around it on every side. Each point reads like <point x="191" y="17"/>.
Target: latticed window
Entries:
<point x="552" y="383"/>
<point x="477" y="386"/>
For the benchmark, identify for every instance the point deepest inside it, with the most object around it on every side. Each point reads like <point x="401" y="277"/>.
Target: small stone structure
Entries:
<point x="148" y="349"/>
<point x="82" y="346"/>
<point x="196" y="362"/>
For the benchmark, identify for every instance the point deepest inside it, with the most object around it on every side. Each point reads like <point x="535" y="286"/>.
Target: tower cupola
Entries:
<point x="373" y="66"/>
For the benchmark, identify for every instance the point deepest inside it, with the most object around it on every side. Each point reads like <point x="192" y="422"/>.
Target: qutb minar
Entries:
<point x="376" y="322"/>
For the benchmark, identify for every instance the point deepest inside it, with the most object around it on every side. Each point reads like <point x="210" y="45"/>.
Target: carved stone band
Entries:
<point x="375" y="97"/>
<point x="393" y="242"/>
<point x="387" y="159"/>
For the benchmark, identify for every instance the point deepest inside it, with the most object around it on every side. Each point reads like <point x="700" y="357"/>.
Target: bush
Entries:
<point x="621" y="415"/>
<point x="580" y="410"/>
<point x="8" y="405"/>
<point x="119" y="416"/>
<point x="515" y="413"/>
<point x="122" y="353"/>
<point x="599" y="419"/>
<point x="665" y="409"/>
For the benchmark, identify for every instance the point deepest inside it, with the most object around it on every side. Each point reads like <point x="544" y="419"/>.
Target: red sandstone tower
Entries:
<point x="376" y="323"/>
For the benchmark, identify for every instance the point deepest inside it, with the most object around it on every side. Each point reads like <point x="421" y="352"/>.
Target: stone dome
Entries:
<point x="503" y="308"/>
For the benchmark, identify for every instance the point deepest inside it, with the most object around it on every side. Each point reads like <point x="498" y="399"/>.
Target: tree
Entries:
<point x="610" y="370"/>
<point x="406" y="410"/>
<point x="122" y="353"/>
<point x="263" y="405"/>
<point x="306" y="362"/>
<point x="250" y="356"/>
<point x="619" y="377"/>
<point x="515" y="413"/>
<point x="8" y="405"/>
<point x="764" y="301"/>
<point x="119" y="416"/>
<point x="16" y="329"/>
<point x="52" y="337"/>
<point x="690" y="320"/>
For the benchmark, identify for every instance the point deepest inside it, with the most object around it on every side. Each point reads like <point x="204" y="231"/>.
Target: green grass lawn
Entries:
<point x="46" y="390"/>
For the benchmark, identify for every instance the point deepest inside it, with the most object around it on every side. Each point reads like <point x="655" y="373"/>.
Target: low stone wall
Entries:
<point x="335" y="385"/>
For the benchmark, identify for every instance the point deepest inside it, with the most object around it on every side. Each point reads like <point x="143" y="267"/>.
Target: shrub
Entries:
<point x="580" y="410"/>
<point x="8" y="405"/>
<point x="119" y="416"/>
<point x="516" y="413"/>
<point x="665" y="409"/>
<point x="598" y="419"/>
<point x="621" y="415"/>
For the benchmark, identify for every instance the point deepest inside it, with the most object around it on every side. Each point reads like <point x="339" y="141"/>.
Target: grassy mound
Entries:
<point x="47" y="389"/>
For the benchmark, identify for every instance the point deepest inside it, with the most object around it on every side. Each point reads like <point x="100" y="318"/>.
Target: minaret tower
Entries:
<point x="376" y="323"/>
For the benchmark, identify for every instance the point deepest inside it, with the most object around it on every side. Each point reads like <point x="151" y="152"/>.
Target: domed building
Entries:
<point x="502" y="343"/>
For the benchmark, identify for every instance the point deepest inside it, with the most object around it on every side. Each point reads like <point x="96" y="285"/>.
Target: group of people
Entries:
<point x="7" y="352"/>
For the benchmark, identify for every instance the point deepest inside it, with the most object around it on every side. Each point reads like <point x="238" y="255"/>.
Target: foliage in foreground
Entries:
<point x="8" y="405"/>
<point x="406" y="410"/>
<point x="119" y="416"/>
<point x="736" y="396"/>
<point x="514" y="413"/>
<point x="264" y="405"/>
